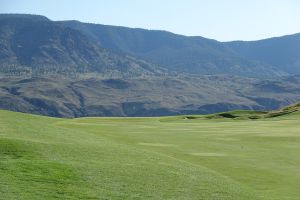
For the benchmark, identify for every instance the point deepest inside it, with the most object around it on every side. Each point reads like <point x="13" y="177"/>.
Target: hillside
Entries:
<point x="34" y="45"/>
<point x="285" y="112"/>
<point x="276" y="56"/>
<point x="149" y="96"/>
<point x="152" y="158"/>
<point x="195" y="55"/>
<point x="282" y="52"/>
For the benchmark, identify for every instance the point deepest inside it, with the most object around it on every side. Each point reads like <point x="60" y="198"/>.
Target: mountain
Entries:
<point x="34" y="44"/>
<point x="74" y="69"/>
<point x="281" y="52"/>
<point x="195" y="55"/>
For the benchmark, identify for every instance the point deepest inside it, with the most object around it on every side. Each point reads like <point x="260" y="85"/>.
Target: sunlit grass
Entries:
<point x="149" y="158"/>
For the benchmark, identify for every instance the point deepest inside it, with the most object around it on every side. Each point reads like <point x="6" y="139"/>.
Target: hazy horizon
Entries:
<point x="223" y="21"/>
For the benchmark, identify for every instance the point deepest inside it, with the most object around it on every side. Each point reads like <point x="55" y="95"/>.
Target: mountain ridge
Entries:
<point x="34" y="43"/>
<point x="192" y="54"/>
<point x="282" y="52"/>
<point x="174" y="52"/>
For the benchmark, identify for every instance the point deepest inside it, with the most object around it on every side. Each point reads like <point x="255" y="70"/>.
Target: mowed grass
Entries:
<point x="149" y="158"/>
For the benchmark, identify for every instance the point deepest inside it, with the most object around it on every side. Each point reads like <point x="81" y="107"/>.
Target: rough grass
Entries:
<point x="250" y="114"/>
<point x="150" y="158"/>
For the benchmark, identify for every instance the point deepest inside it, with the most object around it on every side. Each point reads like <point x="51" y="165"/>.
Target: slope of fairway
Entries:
<point x="149" y="158"/>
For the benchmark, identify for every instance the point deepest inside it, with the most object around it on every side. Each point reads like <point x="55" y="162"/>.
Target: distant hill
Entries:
<point x="281" y="52"/>
<point x="34" y="44"/>
<point x="149" y="96"/>
<point x="195" y="55"/>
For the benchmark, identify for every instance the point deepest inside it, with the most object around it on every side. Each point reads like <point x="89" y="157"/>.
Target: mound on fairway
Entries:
<point x="213" y="158"/>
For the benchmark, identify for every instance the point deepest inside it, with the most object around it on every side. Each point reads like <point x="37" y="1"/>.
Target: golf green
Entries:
<point x="149" y="158"/>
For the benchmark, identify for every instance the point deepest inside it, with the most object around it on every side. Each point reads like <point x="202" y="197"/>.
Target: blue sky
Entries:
<point x="223" y="20"/>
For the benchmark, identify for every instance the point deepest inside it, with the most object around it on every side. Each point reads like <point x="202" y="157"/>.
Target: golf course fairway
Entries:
<point x="149" y="158"/>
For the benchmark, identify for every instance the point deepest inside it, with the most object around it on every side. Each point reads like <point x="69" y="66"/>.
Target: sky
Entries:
<point x="223" y="20"/>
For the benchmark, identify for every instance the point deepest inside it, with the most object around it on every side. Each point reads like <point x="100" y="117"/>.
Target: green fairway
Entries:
<point x="180" y="157"/>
